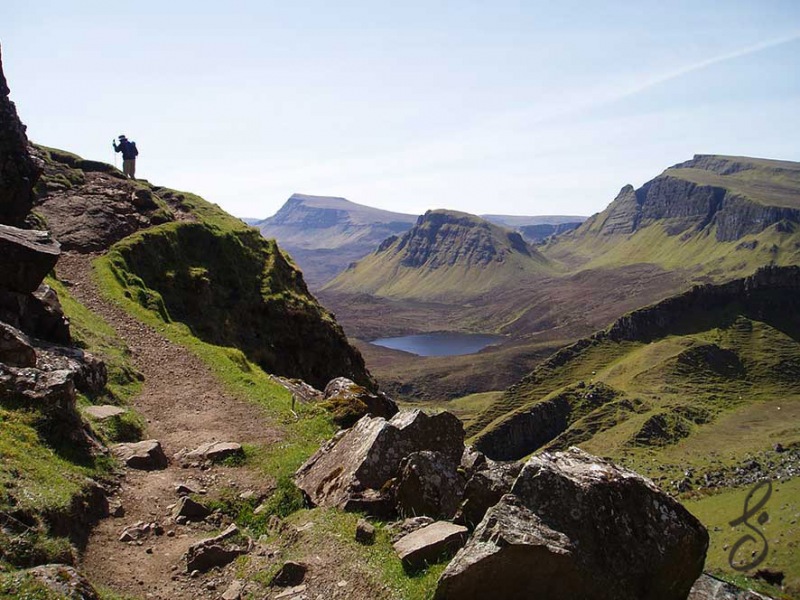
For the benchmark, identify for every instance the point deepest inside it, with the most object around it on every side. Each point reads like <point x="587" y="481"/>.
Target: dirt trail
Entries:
<point x="184" y="406"/>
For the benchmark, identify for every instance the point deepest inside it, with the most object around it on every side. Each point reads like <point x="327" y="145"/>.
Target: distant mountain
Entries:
<point x="324" y="234"/>
<point x="446" y="255"/>
<point x="537" y="228"/>
<point x="712" y="215"/>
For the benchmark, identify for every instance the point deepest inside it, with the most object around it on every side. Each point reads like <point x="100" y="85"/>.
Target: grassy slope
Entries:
<point x="714" y="418"/>
<point x="37" y="479"/>
<point x="701" y="254"/>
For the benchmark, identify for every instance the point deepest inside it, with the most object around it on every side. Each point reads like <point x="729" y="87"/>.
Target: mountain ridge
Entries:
<point x="446" y="253"/>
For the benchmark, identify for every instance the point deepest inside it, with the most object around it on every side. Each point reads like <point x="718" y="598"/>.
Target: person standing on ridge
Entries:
<point x="129" y="154"/>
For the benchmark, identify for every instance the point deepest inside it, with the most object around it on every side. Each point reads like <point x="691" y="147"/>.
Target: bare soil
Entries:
<point x="184" y="406"/>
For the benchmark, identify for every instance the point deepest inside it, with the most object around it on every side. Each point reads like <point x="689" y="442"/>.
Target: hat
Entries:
<point x="122" y="137"/>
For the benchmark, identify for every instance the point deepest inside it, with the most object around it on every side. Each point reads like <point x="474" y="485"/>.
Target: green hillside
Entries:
<point x="448" y="255"/>
<point x="700" y="392"/>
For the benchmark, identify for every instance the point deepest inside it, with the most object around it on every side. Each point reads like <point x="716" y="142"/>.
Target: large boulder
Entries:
<point x="349" y="401"/>
<point x="484" y="489"/>
<point x="429" y="484"/>
<point x="576" y="526"/>
<point x="15" y="347"/>
<point x="18" y="171"/>
<point x="28" y="256"/>
<point x="353" y="471"/>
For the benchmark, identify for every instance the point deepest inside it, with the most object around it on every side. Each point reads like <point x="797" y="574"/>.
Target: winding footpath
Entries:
<point x="184" y="406"/>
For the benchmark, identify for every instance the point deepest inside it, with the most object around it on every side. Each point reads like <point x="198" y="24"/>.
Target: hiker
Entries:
<point x="129" y="154"/>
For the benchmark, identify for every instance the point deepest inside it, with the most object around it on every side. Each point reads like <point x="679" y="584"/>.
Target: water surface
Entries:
<point x="440" y="344"/>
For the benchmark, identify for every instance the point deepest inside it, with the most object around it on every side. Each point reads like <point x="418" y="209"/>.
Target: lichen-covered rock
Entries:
<point x="428" y="484"/>
<point x="50" y="394"/>
<point x="63" y="580"/>
<point x="28" y="256"/>
<point x="576" y="526"/>
<point x="349" y="401"/>
<point x="485" y="489"/>
<point x="216" y="451"/>
<point x="354" y="469"/>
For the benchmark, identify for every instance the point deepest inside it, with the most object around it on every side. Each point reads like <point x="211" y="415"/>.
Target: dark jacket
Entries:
<point x="128" y="149"/>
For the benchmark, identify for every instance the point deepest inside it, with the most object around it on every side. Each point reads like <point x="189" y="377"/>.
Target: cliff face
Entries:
<point x="733" y="197"/>
<point x="18" y="171"/>
<point x="446" y="238"/>
<point x="446" y="255"/>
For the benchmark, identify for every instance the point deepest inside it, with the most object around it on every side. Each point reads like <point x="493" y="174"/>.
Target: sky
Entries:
<point x="503" y="107"/>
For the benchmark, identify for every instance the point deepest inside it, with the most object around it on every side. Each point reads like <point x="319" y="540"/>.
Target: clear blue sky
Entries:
<point x="526" y="107"/>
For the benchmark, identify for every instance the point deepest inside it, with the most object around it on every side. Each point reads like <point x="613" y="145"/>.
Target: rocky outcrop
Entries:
<point x="28" y="256"/>
<point x="484" y="488"/>
<point x="354" y="471"/>
<point x="63" y="580"/>
<point x="239" y="290"/>
<point x="88" y="208"/>
<point x="349" y="401"/>
<point x="429" y="484"/>
<point x="575" y="526"/>
<point x="50" y="395"/>
<point x="18" y="171"/>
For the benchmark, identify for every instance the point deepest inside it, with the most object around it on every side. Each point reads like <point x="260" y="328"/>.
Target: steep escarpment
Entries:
<point x="666" y="370"/>
<point x="234" y="288"/>
<point x="446" y="255"/>
<point x="712" y="215"/>
<point x="325" y="234"/>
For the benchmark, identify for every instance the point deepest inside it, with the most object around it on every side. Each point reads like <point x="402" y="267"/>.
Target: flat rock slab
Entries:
<point x="216" y="451"/>
<point x="15" y="347"/>
<point x="146" y="455"/>
<point x="63" y="580"/>
<point x="103" y="412"/>
<point x="28" y="256"/>
<point x="429" y="544"/>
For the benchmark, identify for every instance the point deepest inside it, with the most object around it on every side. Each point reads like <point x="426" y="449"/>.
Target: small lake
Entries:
<point x="440" y="344"/>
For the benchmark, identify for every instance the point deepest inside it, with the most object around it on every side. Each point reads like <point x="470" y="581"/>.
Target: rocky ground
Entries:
<point x="184" y="407"/>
